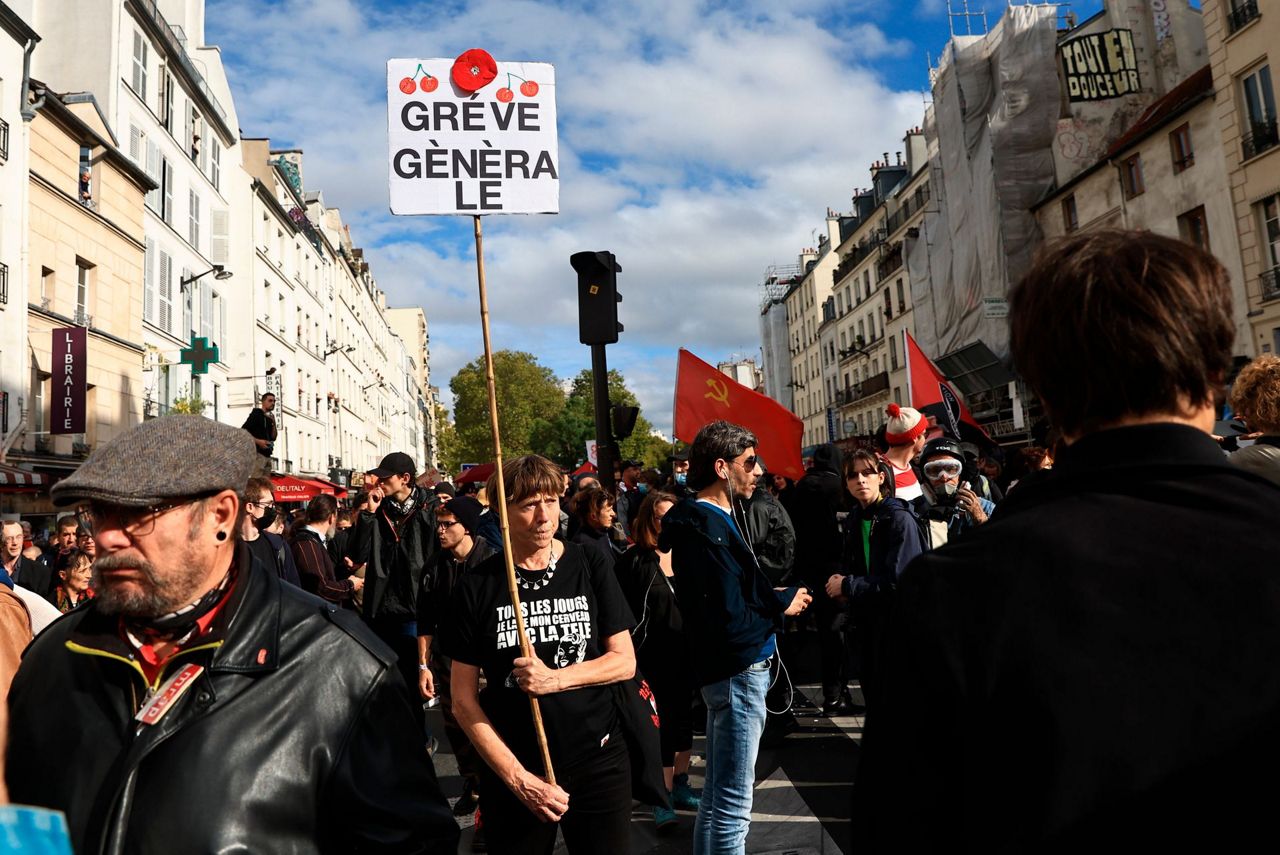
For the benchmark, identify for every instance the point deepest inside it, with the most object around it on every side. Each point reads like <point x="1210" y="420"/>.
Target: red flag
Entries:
<point x="933" y="395"/>
<point x="705" y="395"/>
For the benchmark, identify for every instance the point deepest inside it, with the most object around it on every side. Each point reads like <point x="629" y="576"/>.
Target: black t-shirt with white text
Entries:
<point x="567" y="620"/>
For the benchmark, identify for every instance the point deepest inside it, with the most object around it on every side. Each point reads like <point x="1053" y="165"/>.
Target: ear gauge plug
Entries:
<point x="222" y="535"/>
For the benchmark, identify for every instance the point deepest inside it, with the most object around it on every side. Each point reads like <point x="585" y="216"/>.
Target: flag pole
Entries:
<point x="526" y="649"/>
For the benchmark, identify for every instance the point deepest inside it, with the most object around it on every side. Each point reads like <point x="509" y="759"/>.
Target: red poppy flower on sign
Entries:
<point x="474" y="70"/>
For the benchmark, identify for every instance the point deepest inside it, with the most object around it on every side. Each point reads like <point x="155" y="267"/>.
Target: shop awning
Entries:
<point x="286" y="488"/>
<point x="475" y="473"/>
<point x="13" y="479"/>
<point x="338" y="490"/>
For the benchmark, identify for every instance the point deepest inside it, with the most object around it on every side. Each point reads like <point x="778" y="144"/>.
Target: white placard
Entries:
<point x="493" y="151"/>
<point x="592" y="456"/>
<point x="995" y="308"/>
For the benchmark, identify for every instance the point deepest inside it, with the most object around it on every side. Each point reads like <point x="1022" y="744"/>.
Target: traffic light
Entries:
<point x="598" y="296"/>
<point x="624" y="420"/>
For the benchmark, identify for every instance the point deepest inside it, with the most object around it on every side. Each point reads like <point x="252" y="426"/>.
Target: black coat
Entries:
<point x="35" y="576"/>
<point x="814" y="503"/>
<point x="773" y="538"/>
<point x="298" y="737"/>
<point x="395" y="552"/>
<point x="441" y="580"/>
<point x="1094" y="668"/>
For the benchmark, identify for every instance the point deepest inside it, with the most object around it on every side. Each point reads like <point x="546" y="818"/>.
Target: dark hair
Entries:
<point x="863" y="457"/>
<point x="258" y="484"/>
<point x="70" y="559"/>
<point x="590" y="501"/>
<point x="66" y="522"/>
<point x="525" y="477"/>
<point x="1114" y="323"/>
<point x="645" y="528"/>
<point x="716" y="441"/>
<point x="321" y="508"/>
<point x="266" y="395"/>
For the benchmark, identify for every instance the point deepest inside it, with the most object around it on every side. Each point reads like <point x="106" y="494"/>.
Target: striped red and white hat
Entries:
<point x="905" y="424"/>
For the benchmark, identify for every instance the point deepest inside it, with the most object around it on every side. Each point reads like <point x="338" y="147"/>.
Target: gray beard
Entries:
<point x="152" y="596"/>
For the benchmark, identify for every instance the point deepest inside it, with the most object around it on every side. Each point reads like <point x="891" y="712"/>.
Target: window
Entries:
<point x="193" y="219"/>
<point x="167" y="85"/>
<point x="188" y="330"/>
<point x="153" y="172"/>
<point x="1194" y="227"/>
<point x="139" y="79"/>
<point x="893" y="352"/>
<point x="82" y="291"/>
<point x="86" y="176"/>
<point x="1070" y="217"/>
<point x="888" y="304"/>
<point x="195" y="125"/>
<point x="1180" y="147"/>
<point x="215" y="164"/>
<point x="1260" y="112"/>
<point x="166" y="190"/>
<point x="206" y="311"/>
<point x="1240" y="13"/>
<point x="1270" y="210"/>
<point x="1131" y="177"/>
<point x="902" y="303"/>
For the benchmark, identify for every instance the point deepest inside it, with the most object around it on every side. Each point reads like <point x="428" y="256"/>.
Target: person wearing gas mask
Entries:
<point x="953" y="506"/>
<point x="259" y="515"/>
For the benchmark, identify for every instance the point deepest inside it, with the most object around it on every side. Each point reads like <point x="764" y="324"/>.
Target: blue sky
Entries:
<point x="700" y="141"/>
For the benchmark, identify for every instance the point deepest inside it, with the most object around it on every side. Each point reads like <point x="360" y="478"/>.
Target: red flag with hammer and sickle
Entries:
<point x="705" y="395"/>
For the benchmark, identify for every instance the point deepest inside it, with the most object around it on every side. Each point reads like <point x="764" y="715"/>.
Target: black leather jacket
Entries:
<point x="298" y="737"/>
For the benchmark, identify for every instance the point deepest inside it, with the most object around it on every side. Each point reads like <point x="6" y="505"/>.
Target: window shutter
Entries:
<point x="193" y="219"/>
<point x="149" y="282"/>
<point x="166" y="292"/>
<point x="218" y="239"/>
<point x="153" y="172"/>
<point x="166" y="182"/>
<point x="222" y="318"/>
<point x="135" y="144"/>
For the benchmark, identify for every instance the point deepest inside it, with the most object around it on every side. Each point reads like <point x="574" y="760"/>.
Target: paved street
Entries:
<point x="802" y="785"/>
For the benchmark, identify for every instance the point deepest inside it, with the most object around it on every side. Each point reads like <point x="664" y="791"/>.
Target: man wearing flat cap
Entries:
<point x="396" y="540"/>
<point x="198" y="703"/>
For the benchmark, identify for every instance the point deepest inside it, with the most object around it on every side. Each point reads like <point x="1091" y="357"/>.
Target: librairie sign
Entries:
<point x="472" y="135"/>
<point x="1100" y="65"/>
<point x="70" y="372"/>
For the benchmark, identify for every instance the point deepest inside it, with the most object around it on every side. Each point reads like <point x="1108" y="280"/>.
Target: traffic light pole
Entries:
<point x="606" y="451"/>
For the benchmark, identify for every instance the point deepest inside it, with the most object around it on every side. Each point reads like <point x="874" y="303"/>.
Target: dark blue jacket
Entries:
<point x="729" y="608"/>
<point x="896" y="539"/>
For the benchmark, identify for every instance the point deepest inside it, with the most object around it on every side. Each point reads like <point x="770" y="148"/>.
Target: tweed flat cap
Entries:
<point x="160" y="460"/>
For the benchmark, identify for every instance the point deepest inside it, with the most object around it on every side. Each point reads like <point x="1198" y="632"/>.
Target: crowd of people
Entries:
<point x="1068" y="646"/>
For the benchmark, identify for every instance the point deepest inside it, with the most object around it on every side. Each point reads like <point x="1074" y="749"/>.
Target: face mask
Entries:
<point x="264" y="522"/>
<point x="643" y="488"/>
<point x="948" y="488"/>
<point x="680" y="478"/>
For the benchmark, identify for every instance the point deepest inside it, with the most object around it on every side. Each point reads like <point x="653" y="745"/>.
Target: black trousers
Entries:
<point x="670" y="676"/>
<point x="405" y="647"/>
<point x="599" y="815"/>
<point x="464" y="752"/>
<point x="832" y="620"/>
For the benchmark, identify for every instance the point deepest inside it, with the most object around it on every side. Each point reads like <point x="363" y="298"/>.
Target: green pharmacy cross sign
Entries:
<point x="199" y="355"/>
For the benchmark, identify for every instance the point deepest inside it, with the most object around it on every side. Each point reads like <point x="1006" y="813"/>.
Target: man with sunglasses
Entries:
<point x="953" y="507"/>
<point x="214" y="708"/>
<point x="732" y="614"/>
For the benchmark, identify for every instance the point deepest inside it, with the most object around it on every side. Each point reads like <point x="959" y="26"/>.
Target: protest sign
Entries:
<point x="472" y="136"/>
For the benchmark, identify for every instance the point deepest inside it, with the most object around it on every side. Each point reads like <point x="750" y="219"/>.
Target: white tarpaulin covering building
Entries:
<point x="990" y="134"/>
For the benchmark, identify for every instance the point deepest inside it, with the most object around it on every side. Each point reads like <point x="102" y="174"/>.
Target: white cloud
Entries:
<point x="699" y="142"/>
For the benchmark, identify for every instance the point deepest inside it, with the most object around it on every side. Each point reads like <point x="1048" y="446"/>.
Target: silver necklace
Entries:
<point x="541" y="582"/>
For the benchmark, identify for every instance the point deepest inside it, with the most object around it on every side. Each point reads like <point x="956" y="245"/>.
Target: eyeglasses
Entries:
<point x="134" y="522"/>
<point x="940" y="468"/>
<point x="263" y="505"/>
<point x="443" y="524"/>
<point x="749" y="464"/>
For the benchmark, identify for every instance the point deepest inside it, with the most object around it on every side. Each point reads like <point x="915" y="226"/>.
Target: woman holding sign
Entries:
<point x="578" y="626"/>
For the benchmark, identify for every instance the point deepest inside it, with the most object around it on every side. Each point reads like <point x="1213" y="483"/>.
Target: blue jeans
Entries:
<point x="735" y="720"/>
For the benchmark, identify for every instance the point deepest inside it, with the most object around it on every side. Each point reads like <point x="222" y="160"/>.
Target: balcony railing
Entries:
<point x="4" y="283"/>
<point x="1241" y="13"/>
<point x="873" y="385"/>
<point x="1261" y="136"/>
<point x="854" y="258"/>
<point x="891" y="262"/>
<point x="1271" y="285"/>
<point x="82" y="318"/>
<point x="4" y="140"/>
